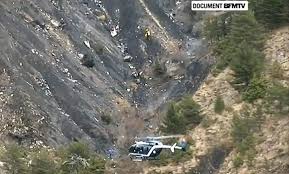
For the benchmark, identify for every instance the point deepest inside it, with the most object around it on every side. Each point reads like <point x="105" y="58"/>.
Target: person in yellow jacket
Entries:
<point x="147" y="34"/>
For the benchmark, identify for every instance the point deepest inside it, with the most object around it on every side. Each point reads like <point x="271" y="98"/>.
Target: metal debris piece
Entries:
<point x="87" y="44"/>
<point x="127" y="58"/>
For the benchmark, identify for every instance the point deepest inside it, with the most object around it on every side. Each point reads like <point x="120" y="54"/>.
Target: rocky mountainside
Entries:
<point x="213" y="147"/>
<point x="70" y="67"/>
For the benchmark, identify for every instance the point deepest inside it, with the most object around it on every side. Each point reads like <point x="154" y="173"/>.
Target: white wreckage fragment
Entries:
<point x="114" y="31"/>
<point x="55" y="23"/>
<point x="87" y="44"/>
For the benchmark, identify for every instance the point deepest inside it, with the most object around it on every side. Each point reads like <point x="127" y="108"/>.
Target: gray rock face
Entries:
<point x="50" y="97"/>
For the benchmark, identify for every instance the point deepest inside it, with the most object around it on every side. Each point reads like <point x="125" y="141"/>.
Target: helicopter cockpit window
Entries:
<point x="132" y="149"/>
<point x="140" y="149"/>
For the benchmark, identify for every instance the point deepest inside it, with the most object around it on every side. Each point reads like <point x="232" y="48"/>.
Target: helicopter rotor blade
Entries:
<point x="160" y="137"/>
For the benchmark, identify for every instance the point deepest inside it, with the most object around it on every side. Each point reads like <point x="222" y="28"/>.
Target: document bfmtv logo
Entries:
<point x="219" y="5"/>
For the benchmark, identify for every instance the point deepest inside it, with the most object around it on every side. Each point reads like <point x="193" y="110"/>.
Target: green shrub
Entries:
<point x="278" y="99"/>
<point x="77" y="148"/>
<point x="106" y="118"/>
<point x="276" y="70"/>
<point x="181" y="114"/>
<point x="243" y="129"/>
<point x="174" y="122"/>
<point x="256" y="89"/>
<point x="14" y="159"/>
<point x="238" y="161"/>
<point x="219" y="105"/>
<point x="76" y="158"/>
<point x="247" y="63"/>
<point x="43" y="163"/>
<point x="189" y="110"/>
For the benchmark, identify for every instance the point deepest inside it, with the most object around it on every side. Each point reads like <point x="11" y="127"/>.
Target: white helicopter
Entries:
<point x="149" y="148"/>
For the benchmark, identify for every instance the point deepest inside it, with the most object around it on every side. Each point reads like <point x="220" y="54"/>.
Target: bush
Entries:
<point x="181" y="114"/>
<point x="106" y="118"/>
<point x="219" y="105"/>
<point x="190" y="110"/>
<point x="76" y="158"/>
<point x="238" y="161"/>
<point x="247" y="63"/>
<point x="276" y="70"/>
<point x="278" y="98"/>
<point x="174" y="122"/>
<point x="158" y="68"/>
<point x="14" y="159"/>
<point x="88" y="61"/>
<point x="243" y="129"/>
<point x="256" y="90"/>
<point x="43" y="163"/>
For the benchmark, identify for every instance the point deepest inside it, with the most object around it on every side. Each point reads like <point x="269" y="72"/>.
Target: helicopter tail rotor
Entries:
<point x="173" y="147"/>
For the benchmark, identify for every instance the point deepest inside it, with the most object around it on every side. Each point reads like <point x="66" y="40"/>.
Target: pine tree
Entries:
<point x="247" y="62"/>
<point x="219" y="105"/>
<point x="174" y="122"/>
<point x="244" y="29"/>
<point x="272" y="13"/>
<point x="189" y="110"/>
<point x="217" y="27"/>
<point x="256" y="89"/>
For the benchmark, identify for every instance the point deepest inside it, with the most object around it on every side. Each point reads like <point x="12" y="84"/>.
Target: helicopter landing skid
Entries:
<point x="140" y="158"/>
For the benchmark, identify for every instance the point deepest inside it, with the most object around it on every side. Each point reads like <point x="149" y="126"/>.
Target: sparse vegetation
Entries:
<point x="74" y="159"/>
<point x="14" y="159"/>
<point x="238" y="161"/>
<point x="177" y="157"/>
<point x="219" y="105"/>
<point x="276" y="70"/>
<point x="158" y="68"/>
<point x="243" y="129"/>
<point x="278" y="99"/>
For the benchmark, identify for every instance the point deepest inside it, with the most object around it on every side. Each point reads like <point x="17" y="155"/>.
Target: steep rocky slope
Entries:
<point x="213" y="148"/>
<point x="49" y="98"/>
